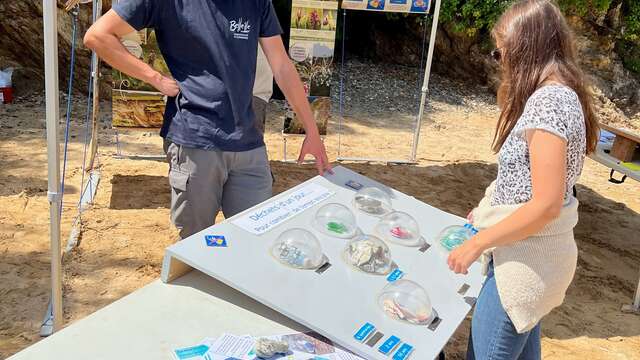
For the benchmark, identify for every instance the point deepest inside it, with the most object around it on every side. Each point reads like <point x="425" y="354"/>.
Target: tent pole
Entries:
<point x="425" y="84"/>
<point x="50" y="20"/>
<point x="95" y="74"/>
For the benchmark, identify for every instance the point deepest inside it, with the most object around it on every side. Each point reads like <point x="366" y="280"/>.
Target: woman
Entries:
<point x="526" y="219"/>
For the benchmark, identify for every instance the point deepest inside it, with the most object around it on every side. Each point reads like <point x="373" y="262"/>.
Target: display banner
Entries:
<point x="311" y="46"/>
<point x="406" y="6"/>
<point x="135" y="103"/>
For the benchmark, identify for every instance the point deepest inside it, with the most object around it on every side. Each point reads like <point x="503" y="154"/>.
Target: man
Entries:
<point x="262" y="89"/>
<point x="216" y="153"/>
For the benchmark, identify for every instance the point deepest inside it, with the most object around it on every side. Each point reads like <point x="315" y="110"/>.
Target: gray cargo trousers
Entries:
<point x="205" y="181"/>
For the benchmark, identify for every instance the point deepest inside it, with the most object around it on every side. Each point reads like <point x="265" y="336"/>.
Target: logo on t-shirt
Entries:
<point x="240" y="29"/>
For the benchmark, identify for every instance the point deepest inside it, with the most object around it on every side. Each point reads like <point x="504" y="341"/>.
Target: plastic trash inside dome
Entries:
<point x="336" y="220"/>
<point x="373" y="201"/>
<point x="298" y="248"/>
<point x="406" y="301"/>
<point x="369" y="254"/>
<point x="453" y="236"/>
<point x="400" y="228"/>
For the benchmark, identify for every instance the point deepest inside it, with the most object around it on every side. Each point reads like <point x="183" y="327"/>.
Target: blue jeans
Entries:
<point x="493" y="336"/>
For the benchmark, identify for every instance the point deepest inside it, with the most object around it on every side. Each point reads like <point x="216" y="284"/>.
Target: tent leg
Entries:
<point x="425" y="84"/>
<point x="53" y="156"/>
<point x="95" y="74"/>
<point x="635" y="307"/>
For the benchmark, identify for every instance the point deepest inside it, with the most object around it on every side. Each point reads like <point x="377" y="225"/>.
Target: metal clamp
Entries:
<point x="54" y="196"/>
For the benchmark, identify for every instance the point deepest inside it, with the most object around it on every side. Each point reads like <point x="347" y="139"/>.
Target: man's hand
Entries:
<point x="288" y="79"/>
<point x="166" y="85"/>
<point x="313" y="145"/>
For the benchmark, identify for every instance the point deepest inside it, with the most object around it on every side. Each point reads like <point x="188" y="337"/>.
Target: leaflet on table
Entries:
<point x="195" y="352"/>
<point x="274" y="213"/>
<point x="232" y="346"/>
<point x="302" y="347"/>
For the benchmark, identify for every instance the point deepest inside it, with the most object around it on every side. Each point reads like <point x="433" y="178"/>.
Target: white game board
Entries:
<point x="338" y="301"/>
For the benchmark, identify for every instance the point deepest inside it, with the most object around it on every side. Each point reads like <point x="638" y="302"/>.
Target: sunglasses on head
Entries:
<point x="496" y="54"/>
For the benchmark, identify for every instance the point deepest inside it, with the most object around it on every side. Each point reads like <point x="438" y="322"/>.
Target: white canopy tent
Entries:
<point x="54" y="316"/>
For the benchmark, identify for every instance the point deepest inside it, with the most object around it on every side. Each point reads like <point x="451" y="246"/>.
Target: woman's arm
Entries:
<point x="548" y="153"/>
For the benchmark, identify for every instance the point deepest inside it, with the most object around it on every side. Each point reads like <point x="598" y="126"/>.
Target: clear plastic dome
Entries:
<point x="373" y="201"/>
<point x="336" y="220"/>
<point x="369" y="254"/>
<point x="298" y="249"/>
<point x="400" y="228"/>
<point x="453" y="236"/>
<point x="405" y="300"/>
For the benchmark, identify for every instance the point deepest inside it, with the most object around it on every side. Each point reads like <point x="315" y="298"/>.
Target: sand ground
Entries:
<point x="125" y="231"/>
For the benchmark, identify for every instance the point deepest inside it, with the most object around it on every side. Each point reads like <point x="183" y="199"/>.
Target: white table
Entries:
<point x="151" y="321"/>
<point x="339" y="301"/>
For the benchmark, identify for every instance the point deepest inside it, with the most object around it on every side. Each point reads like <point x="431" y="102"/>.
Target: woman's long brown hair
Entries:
<point x="537" y="45"/>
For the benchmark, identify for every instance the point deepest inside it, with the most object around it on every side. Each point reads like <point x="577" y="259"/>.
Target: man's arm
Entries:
<point x="103" y="37"/>
<point x="289" y="82"/>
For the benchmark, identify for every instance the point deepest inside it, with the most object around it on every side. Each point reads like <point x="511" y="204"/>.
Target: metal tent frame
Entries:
<point x="54" y="194"/>
<point x="53" y="318"/>
<point x="423" y="98"/>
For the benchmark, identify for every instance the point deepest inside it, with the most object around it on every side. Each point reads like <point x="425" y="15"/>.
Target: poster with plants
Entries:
<point x="311" y="47"/>
<point x="136" y="103"/>
<point x="406" y="6"/>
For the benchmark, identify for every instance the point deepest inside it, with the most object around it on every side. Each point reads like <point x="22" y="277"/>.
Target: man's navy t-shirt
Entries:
<point x="210" y="47"/>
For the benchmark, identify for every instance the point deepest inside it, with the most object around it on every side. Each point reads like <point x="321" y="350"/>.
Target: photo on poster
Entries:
<point x="329" y="20"/>
<point x="420" y="6"/>
<point x="137" y="109"/>
<point x="321" y="110"/>
<point x="306" y="18"/>
<point x="375" y="5"/>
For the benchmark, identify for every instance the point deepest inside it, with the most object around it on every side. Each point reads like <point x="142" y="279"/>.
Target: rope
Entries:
<point x="74" y="16"/>
<point x="87" y="131"/>
<point x="422" y="59"/>
<point x="341" y="101"/>
<point x="86" y="141"/>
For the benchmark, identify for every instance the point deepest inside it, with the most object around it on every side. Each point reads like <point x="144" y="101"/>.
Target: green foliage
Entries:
<point x="631" y="19"/>
<point x="583" y="8"/>
<point x="472" y="17"/>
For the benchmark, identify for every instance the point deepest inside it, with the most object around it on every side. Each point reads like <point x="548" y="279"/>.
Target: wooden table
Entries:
<point x="625" y="146"/>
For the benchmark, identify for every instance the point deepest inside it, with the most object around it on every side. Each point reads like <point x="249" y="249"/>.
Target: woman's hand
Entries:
<point x="461" y="258"/>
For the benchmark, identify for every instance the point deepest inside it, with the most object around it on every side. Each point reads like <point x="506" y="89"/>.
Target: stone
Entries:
<point x="266" y="348"/>
<point x="369" y="256"/>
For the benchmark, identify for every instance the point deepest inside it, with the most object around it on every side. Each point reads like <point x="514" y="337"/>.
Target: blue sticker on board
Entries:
<point x="403" y="352"/>
<point x="364" y="332"/>
<point x="354" y="185"/>
<point x="388" y="346"/>
<point x="215" y="240"/>
<point x="395" y="275"/>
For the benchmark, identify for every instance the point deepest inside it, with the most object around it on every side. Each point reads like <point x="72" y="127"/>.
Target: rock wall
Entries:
<point x="21" y="44"/>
